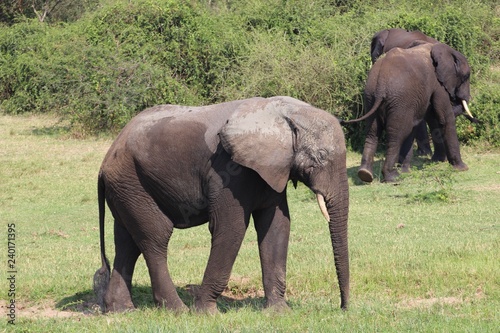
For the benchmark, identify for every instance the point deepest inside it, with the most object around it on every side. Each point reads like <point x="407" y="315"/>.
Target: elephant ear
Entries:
<point x="378" y="43"/>
<point x="451" y="67"/>
<point x="259" y="136"/>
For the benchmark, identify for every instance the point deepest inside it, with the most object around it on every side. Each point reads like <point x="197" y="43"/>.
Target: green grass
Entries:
<point x="419" y="262"/>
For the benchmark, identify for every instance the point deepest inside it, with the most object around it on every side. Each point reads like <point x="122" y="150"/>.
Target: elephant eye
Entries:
<point x="320" y="157"/>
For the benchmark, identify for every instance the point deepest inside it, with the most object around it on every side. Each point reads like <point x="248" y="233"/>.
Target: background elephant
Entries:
<point x="387" y="39"/>
<point x="428" y="82"/>
<point x="179" y="167"/>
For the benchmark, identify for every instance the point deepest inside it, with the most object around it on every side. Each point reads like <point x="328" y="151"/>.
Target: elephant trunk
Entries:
<point x="338" y="210"/>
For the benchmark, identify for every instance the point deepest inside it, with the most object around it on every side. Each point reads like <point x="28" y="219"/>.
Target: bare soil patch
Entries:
<point x="428" y="302"/>
<point x="45" y="310"/>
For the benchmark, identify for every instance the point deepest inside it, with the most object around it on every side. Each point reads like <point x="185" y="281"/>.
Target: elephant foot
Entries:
<point x="119" y="307"/>
<point x="277" y="306"/>
<point x="424" y="151"/>
<point x="438" y="158"/>
<point x="391" y="177"/>
<point x="405" y="168"/>
<point x="206" y="307"/>
<point x="365" y="175"/>
<point x="178" y="309"/>
<point x="461" y="166"/>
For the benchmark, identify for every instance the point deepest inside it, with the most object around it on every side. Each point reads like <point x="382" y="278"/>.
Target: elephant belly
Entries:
<point x="180" y="199"/>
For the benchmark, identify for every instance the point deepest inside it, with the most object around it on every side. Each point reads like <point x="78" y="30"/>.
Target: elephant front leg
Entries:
<point x="438" y="141"/>
<point x="453" y="147"/>
<point x="273" y="231"/>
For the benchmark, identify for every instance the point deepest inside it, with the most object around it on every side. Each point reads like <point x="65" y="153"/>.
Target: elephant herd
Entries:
<point x="179" y="166"/>
<point x="417" y="82"/>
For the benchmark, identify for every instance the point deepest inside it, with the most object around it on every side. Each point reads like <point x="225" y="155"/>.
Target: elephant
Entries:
<point x="181" y="166"/>
<point x="425" y="82"/>
<point x="387" y="39"/>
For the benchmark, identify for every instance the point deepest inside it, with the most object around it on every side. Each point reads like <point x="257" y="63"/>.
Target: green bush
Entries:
<point x="125" y="56"/>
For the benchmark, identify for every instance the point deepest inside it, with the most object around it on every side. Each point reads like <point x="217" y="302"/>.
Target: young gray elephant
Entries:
<point x="405" y="87"/>
<point x="180" y="166"/>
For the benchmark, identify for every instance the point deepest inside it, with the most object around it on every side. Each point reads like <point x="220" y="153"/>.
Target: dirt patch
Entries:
<point x="428" y="302"/>
<point x="491" y="187"/>
<point x="46" y="310"/>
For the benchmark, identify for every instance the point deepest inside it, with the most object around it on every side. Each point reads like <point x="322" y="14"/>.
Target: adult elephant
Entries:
<point x="387" y="39"/>
<point x="428" y="82"/>
<point x="180" y="166"/>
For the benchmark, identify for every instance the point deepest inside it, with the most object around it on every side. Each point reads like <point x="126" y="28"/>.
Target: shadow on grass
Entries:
<point x="85" y="302"/>
<point x="418" y="162"/>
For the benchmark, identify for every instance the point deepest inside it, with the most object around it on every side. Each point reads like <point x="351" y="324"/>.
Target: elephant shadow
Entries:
<point x="84" y="302"/>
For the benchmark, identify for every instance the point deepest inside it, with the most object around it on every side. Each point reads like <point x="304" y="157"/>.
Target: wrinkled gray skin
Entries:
<point x="385" y="40"/>
<point x="180" y="167"/>
<point x="403" y="88"/>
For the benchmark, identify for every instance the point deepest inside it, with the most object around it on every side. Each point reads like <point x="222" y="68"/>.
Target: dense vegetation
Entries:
<point x="102" y="62"/>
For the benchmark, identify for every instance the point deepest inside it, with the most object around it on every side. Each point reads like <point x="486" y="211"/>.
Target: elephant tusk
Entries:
<point x="322" y="206"/>
<point x="464" y="103"/>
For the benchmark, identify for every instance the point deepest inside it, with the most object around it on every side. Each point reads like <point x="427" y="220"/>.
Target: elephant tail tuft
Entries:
<point x="102" y="275"/>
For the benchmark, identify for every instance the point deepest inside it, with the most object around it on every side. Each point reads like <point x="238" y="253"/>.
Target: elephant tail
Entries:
<point x="374" y="108"/>
<point x="102" y="275"/>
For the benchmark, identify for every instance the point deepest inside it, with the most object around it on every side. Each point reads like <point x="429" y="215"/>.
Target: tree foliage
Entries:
<point x="44" y="10"/>
<point x="98" y="63"/>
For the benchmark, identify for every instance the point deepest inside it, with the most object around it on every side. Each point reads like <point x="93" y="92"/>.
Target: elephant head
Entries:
<point x="387" y="39"/>
<point x="299" y="142"/>
<point x="453" y="72"/>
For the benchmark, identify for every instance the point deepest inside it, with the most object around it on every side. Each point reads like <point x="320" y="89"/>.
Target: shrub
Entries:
<point x="125" y="56"/>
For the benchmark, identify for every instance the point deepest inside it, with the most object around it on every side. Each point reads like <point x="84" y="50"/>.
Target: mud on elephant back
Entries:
<point x="180" y="166"/>
<point x="427" y="82"/>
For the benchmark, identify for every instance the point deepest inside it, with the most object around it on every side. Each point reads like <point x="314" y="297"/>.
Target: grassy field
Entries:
<point x="424" y="252"/>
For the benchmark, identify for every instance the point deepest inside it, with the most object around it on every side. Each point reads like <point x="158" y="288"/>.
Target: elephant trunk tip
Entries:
<point x="344" y="305"/>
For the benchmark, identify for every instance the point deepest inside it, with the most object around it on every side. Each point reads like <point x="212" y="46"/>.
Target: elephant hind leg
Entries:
<point x="393" y="153"/>
<point x="365" y="171"/>
<point x="118" y="296"/>
<point x="153" y="232"/>
<point x="145" y="230"/>
<point x="225" y="244"/>
<point x="164" y="292"/>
